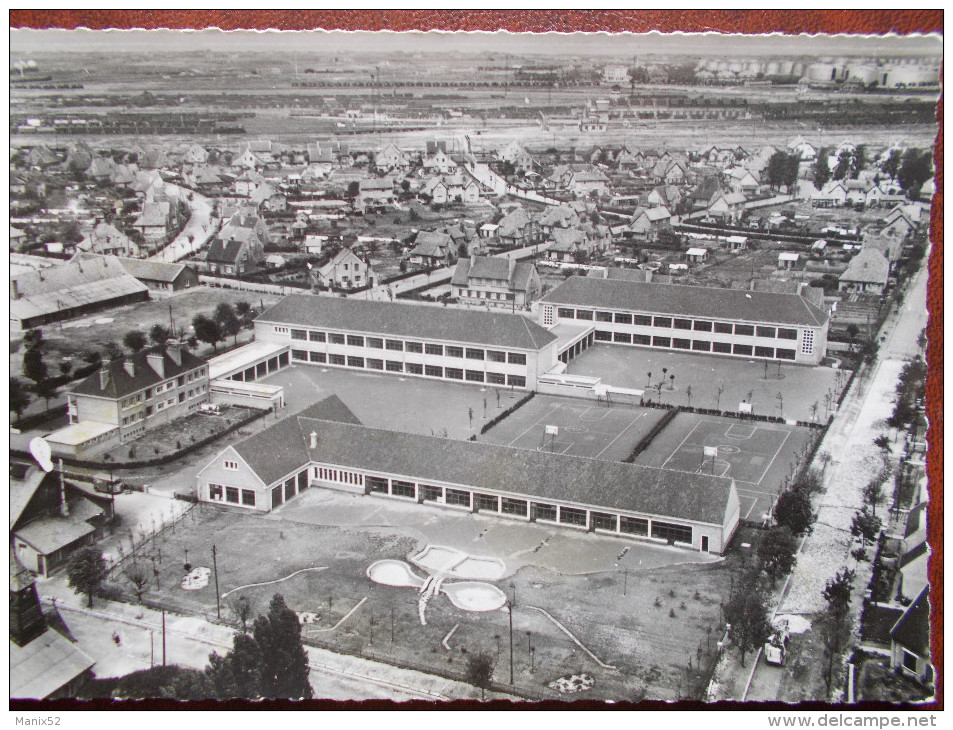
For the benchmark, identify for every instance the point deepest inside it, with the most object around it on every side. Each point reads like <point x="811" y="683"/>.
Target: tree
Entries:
<point x="865" y="526"/>
<point x="134" y="340"/>
<point x="891" y="166"/>
<point x="46" y="390"/>
<point x="207" y="330"/>
<point x="91" y="357"/>
<point x="782" y="169"/>
<point x="835" y="626"/>
<point x="137" y="576"/>
<point x="228" y="323"/>
<point x="809" y="482"/>
<point x="480" y="672"/>
<point x="238" y="674"/>
<point x="793" y="511"/>
<point x="747" y="613"/>
<point x="33" y="366"/>
<point x="842" y="168"/>
<point x="852" y="331"/>
<point x="874" y="493"/>
<point x="242" y="607"/>
<point x="777" y="552"/>
<point x="112" y="351"/>
<point x="821" y="170"/>
<point x="915" y="169"/>
<point x="284" y="661"/>
<point x="86" y="571"/>
<point x="858" y="161"/>
<point x="243" y="312"/>
<point x="20" y="397"/>
<point x="159" y="334"/>
<point x="353" y="189"/>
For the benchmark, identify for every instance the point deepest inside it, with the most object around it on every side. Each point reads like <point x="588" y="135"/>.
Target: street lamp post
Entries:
<point x="512" y="606"/>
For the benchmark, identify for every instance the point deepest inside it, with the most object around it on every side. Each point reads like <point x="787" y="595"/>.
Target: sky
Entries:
<point x="35" y="41"/>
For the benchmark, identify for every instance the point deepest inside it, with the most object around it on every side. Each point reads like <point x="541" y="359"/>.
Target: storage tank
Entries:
<point x="752" y="68"/>
<point x="797" y="69"/>
<point x="821" y="72"/>
<point x="736" y="67"/>
<point x="787" y="68"/>
<point x="902" y="76"/>
<point x="772" y="69"/>
<point x="862" y="73"/>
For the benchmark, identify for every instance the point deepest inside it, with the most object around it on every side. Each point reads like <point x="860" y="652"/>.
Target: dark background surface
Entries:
<point x="724" y="21"/>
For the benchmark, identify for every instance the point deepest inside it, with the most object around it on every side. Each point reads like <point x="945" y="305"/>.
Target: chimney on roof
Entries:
<point x="104" y="374"/>
<point x="156" y="362"/>
<point x="314" y="440"/>
<point x="130" y="367"/>
<point x="173" y="349"/>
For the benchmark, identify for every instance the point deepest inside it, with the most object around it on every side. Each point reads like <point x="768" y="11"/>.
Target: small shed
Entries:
<point x="697" y="255"/>
<point x="819" y="245"/>
<point x="788" y="259"/>
<point x="737" y="243"/>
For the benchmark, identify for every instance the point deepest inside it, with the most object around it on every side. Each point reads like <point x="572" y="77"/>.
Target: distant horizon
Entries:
<point x="30" y="41"/>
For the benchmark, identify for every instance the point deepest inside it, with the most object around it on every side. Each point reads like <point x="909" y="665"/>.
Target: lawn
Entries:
<point x="717" y="382"/>
<point x="643" y="611"/>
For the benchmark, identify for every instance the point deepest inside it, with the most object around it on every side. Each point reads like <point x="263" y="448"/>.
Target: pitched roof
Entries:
<point x="120" y="383"/>
<point x="912" y="631"/>
<point x="696" y="301"/>
<point x="153" y="214"/>
<point x="494" y="329"/>
<point x="431" y="243"/>
<point x="43" y="666"/>
<point x="282" y="448"/>
<point x="146" y="269"/>
<point x="49" y="534"/>
<point x="25" y="479"/>
<point x="869" y="266"/>
<point x="610" y="484"/>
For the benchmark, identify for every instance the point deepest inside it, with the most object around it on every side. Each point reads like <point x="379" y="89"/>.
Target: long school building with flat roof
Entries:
<point x="325" y="446"/>
<point x="731" y="322"/>
<point x="474" y="347"/>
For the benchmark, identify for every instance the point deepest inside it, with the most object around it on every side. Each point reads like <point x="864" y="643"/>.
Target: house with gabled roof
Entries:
<point x="391" y="157"/>
<point x="516" y="155"/>
<point x="235" y="251"/>
<point x="568" y="244"/>
<point x="155" y="221"/>
<point x="159" y="276"/>
<point x="557" y="216"/>
<point x="439" y="163"/>
<point x="727" y="206"/>
<point x="451" y="188"/>
<point x="518" y="228"/>
<point x="196" y="154"/>
<point x="868" y="271"/>
<point x="345" y="270"/>
<point x="495" y="281"/>
<point x="648" y="223"/>
<point x="108" y="240"/>
<point x="910" y="640"/>
<point x="581" y="179"/>
<point x="431" y="249"/>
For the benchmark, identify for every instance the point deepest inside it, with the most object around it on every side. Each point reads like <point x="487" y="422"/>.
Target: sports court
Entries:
<point x="585" y="428"/>
<point x="758" y="456"/>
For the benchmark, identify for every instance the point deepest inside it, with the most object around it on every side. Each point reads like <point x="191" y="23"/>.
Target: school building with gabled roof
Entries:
<point x="325" y="446"/>
<point x="476" y="347"/>
<point x="732" y="322"/>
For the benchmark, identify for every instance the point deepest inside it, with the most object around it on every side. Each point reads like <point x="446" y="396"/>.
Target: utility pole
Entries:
<point x="218" y="604"/>
<point x="163" y="637"/>
<point x="512" y="606"/>
<point x="171" y="322"/>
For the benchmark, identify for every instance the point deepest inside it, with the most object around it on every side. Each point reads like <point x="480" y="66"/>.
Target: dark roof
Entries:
<point x="409" y="320"/>
<point x="695" y="301"/>
<point x="120" y="383"/>
<point x="224" y="251"/>
<point x="912" y="631"/>
<point x="147" y="269"/>
<point x="281" y="449"/>
<point x="878" y="621"/>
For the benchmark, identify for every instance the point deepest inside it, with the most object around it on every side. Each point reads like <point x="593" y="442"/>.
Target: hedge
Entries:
<point x="519" y="404"/>
<point x="28" y="422"/>
<point x="644" y="442"/>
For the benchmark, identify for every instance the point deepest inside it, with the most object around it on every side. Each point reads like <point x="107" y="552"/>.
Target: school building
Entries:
<point x="476" y="347"/>
<point x="326" y="446"/>
<point x="730" y="322"/>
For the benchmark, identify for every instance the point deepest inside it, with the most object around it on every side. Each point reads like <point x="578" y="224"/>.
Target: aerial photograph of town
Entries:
<point x="453" y="367"/>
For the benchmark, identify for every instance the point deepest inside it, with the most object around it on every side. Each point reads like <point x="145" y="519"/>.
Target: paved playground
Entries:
<point x="717" y="382"/>
<point x="758" y="456"/>
<point x="585" y="428"/>
<point x="412" y="405"/>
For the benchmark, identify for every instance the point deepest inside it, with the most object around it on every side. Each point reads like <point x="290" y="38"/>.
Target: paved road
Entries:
<point x="196" y="233"/>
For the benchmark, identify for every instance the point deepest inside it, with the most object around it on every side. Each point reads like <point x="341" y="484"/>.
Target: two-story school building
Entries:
<point x="325" y="446"/>
<point x="476" y="347"/>
<point x="730" y="322"/>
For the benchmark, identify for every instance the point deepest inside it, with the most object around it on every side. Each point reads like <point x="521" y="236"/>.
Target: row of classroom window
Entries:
<point x="246" y="497"/>
<point x="411" y="368"/>
<point x="699" y="325"/>
<point x="429" y="348"/>
<point x="534" y="510"/>
<point x="699" y="345"/>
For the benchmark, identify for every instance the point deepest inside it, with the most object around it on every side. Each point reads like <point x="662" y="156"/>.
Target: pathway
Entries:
<point x="196" y="233"/>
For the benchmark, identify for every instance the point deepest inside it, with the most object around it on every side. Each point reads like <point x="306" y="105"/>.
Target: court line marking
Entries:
<point x="638" y="417"/>
<point x="681" y="444"/>
<point x="771" y="463"/>
<point x="751" y="508"/>
<point x="728" y="434"/>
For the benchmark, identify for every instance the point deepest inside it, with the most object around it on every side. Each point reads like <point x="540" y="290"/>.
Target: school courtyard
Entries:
<point x="636" y="618"/>
<point x="807" y="393"/>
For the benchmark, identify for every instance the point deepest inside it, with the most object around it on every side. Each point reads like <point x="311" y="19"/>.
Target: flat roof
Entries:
<point x="238" y="386"/>
<point x="421" y="322"/>
<point x="696" y="252"/>
<point x="689" y="301"/>
<point x="77" y="434"/>
<point x="567" y="332"/>
<point x="246" y="355"/>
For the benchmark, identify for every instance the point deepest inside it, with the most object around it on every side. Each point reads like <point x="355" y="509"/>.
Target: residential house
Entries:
<point x="101" y="168"/>
<point x="17" y="238"/>
<point x="898" y="224"/>
<point x="868" y="271"/>
<point x="518" y="228"/>
<point x="346" y="271"/>
<point x="196" y="154"/>
<point x="669" y="171"/>
<point x="451" y="188"/>
<point x="155" y="222"/>
<point x="248" y="182"/>
<point x="431" y="249"/>
<point x="788" y="260"/>
<point x="124" y="176"/>
<point x="314" y="244"/>
<point x="556" y="217"/>
<point x="159" y="276"/>
<point x="439" y="163"/>
<point x="51" y="517"/>
<point x="743" y="181"/>
<point x="150" y="158"/>
<point x="705" y="191"/>
<point x="804" y="149"/>
<point x="234" y="252"/>
<point x="668" y="196"/>
<point x="581" y="179"/>
<point x="203" y="177"/>
<point x="71" y="289"/>
<point x="375" y="192"/>
<point x="249" y="160"/>
<point x="108" y="240"/>
<point x="648" y="223"/>
<point x="727" y="206"/>
<point x="138" y="393"/>
<point x="863" y="192"/>
<point x="516" y="155"/>
<point x="276" y="203"/>
<point x="629" y="159"/>
<point x="569" y="245"/>
<point x="910" y="640"/>
<point x="390" y="158"/>
<point x="833" y="194"/>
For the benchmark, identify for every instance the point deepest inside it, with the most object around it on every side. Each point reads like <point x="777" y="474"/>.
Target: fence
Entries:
<point x="644" y="442"/>
<point x="224" y="283"/>
<point x="496" y="419"/>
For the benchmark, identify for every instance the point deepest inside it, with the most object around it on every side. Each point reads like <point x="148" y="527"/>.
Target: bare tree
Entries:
<point x="243" y="608"/>
<point x="137" y="576"/>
